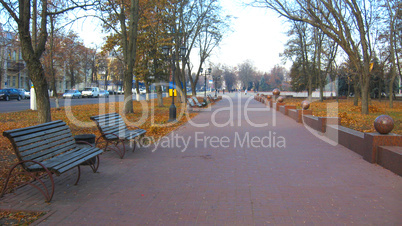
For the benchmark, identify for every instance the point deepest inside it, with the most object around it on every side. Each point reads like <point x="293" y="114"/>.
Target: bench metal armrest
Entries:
<point x="84" y="142"/>
<point x="133" y="127"/>
<point x="105" y="134"/>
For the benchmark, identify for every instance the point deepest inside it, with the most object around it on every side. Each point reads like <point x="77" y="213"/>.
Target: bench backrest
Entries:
<point x="41" y="142"/>
<point x="196" y="100"/>
<point x="191" y="102"/>
<point x="111" y="123"/>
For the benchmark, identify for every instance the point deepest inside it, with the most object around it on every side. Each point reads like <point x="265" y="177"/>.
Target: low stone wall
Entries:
<point x="349" y="138"/>
<point x="288" y="107"/>
<point x="284" y="109"/>
<point x="390" y="157"/>
<point x="297" y="114"/>
<point x="277" y="105"/>
<point x="320" y="123"/>
<point x="373" y="140"/>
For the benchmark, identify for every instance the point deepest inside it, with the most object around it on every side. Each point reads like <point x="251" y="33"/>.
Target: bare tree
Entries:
<point x="33" y="43"/>
<point x="246" y="74"/>
<point x="392" y="9"/>
<point x="347" y="22"/>
<point x="121" y="19"/>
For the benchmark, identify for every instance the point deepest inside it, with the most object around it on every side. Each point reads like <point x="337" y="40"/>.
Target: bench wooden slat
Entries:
<point x="113" y="123"/>
<point x="33" y="129"/>
<point x="41" y="154"/>
<point x="196" y="102"/>
<point x="41" y="133"/>
<point x="71" y="158"/>
<point x="114" y="129"/>
<point x="82" y="160"/>
<point x="50" y="152"/>
<point x="110" y="127"/>
<point x="105" y="116"/>
<point x="50" y="163"/>
<point x="47" y="141"/>
<point x="36" y="139"/>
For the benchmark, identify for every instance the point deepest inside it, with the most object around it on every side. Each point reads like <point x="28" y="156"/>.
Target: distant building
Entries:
<point x="13" y="71"/>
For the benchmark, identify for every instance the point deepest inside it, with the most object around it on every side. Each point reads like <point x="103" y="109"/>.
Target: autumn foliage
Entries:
<point x="351" y="116"/>
<point x="146" y="116"/>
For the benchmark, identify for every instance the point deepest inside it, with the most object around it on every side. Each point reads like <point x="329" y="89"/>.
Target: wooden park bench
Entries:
<point x="191" y="103"/>
<point x="212" y="99"/>
<point x="49" y="148"/>
<point x="198" y="103"/>
<point x="114" y="131"/>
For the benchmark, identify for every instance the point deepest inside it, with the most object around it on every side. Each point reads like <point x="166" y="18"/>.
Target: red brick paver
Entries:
<point x="307" y="182"/>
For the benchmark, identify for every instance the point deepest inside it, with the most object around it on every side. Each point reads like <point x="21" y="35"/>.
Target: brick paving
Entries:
<point x="236" y="182"/>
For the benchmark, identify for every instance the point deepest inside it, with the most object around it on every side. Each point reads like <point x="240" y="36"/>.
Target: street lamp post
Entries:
<point x="216" y="85"/>
<point x="182" y="53"/>
<point x="205" y="83"/>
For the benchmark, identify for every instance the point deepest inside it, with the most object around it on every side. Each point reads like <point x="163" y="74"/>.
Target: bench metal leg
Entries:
<point x="41" y="187"/>
<point x="134" y="145"/>
<point x="120" y="151"/>
<point x="114" y="147"/>
<point x="79" y="175"/>
<point x="95" y="165"/>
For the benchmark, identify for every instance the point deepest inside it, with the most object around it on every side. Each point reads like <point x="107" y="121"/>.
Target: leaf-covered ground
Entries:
<point x="146" y="115"/>
<point x="19" y="218"/>
<point x="351" y="116"/>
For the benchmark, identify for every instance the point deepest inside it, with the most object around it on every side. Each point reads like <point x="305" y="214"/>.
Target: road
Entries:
<point x="15" y="106"/>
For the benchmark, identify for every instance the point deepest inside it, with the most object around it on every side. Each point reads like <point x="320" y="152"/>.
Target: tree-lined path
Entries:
<point x="229" y="175"/>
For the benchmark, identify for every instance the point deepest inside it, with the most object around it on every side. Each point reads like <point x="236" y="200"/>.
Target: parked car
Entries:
<point x="90" y="92"/>
<point x="112" y="92"/>
<point x="8" y="94"/>
<point x="25" y="93"/>
<point x="103" y="93"/>
<point x="72" y="94"/>
<point x="142" y="90"/>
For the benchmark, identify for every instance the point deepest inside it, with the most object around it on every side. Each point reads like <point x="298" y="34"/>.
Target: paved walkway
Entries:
<point x="239" y="174"/>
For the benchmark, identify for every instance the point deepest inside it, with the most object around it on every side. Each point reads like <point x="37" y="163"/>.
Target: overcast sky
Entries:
<point x="257" y="35"/>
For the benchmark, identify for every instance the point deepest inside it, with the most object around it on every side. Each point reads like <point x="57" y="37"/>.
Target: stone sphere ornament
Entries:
<point x="280" y="99"/>
<point x="305" y="105"/>
<point x="276" y="92"/>
<point x="384" y="124"/>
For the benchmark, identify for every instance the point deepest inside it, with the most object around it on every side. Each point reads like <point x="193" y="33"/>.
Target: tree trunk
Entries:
<point x="130" y="52"/>
<point x="379" y="89"/>
<point x="137" y="89"/>
<point x="357" y="93"/>
<point x="336" y="83"/>
<point x="106" y="75"/>
<point x="41" y="90"/>
<point x="159" y="95"/>
<point x="310" y="87"/>
<point x="391" y="90"/>
<point x="147" y="91"/>
<point x="177" y="82"/>
<point x="365" y="96"/>
<point x="183" y="79"/>
<point x="128" y="93"/>
<point x="193" y="89"/>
